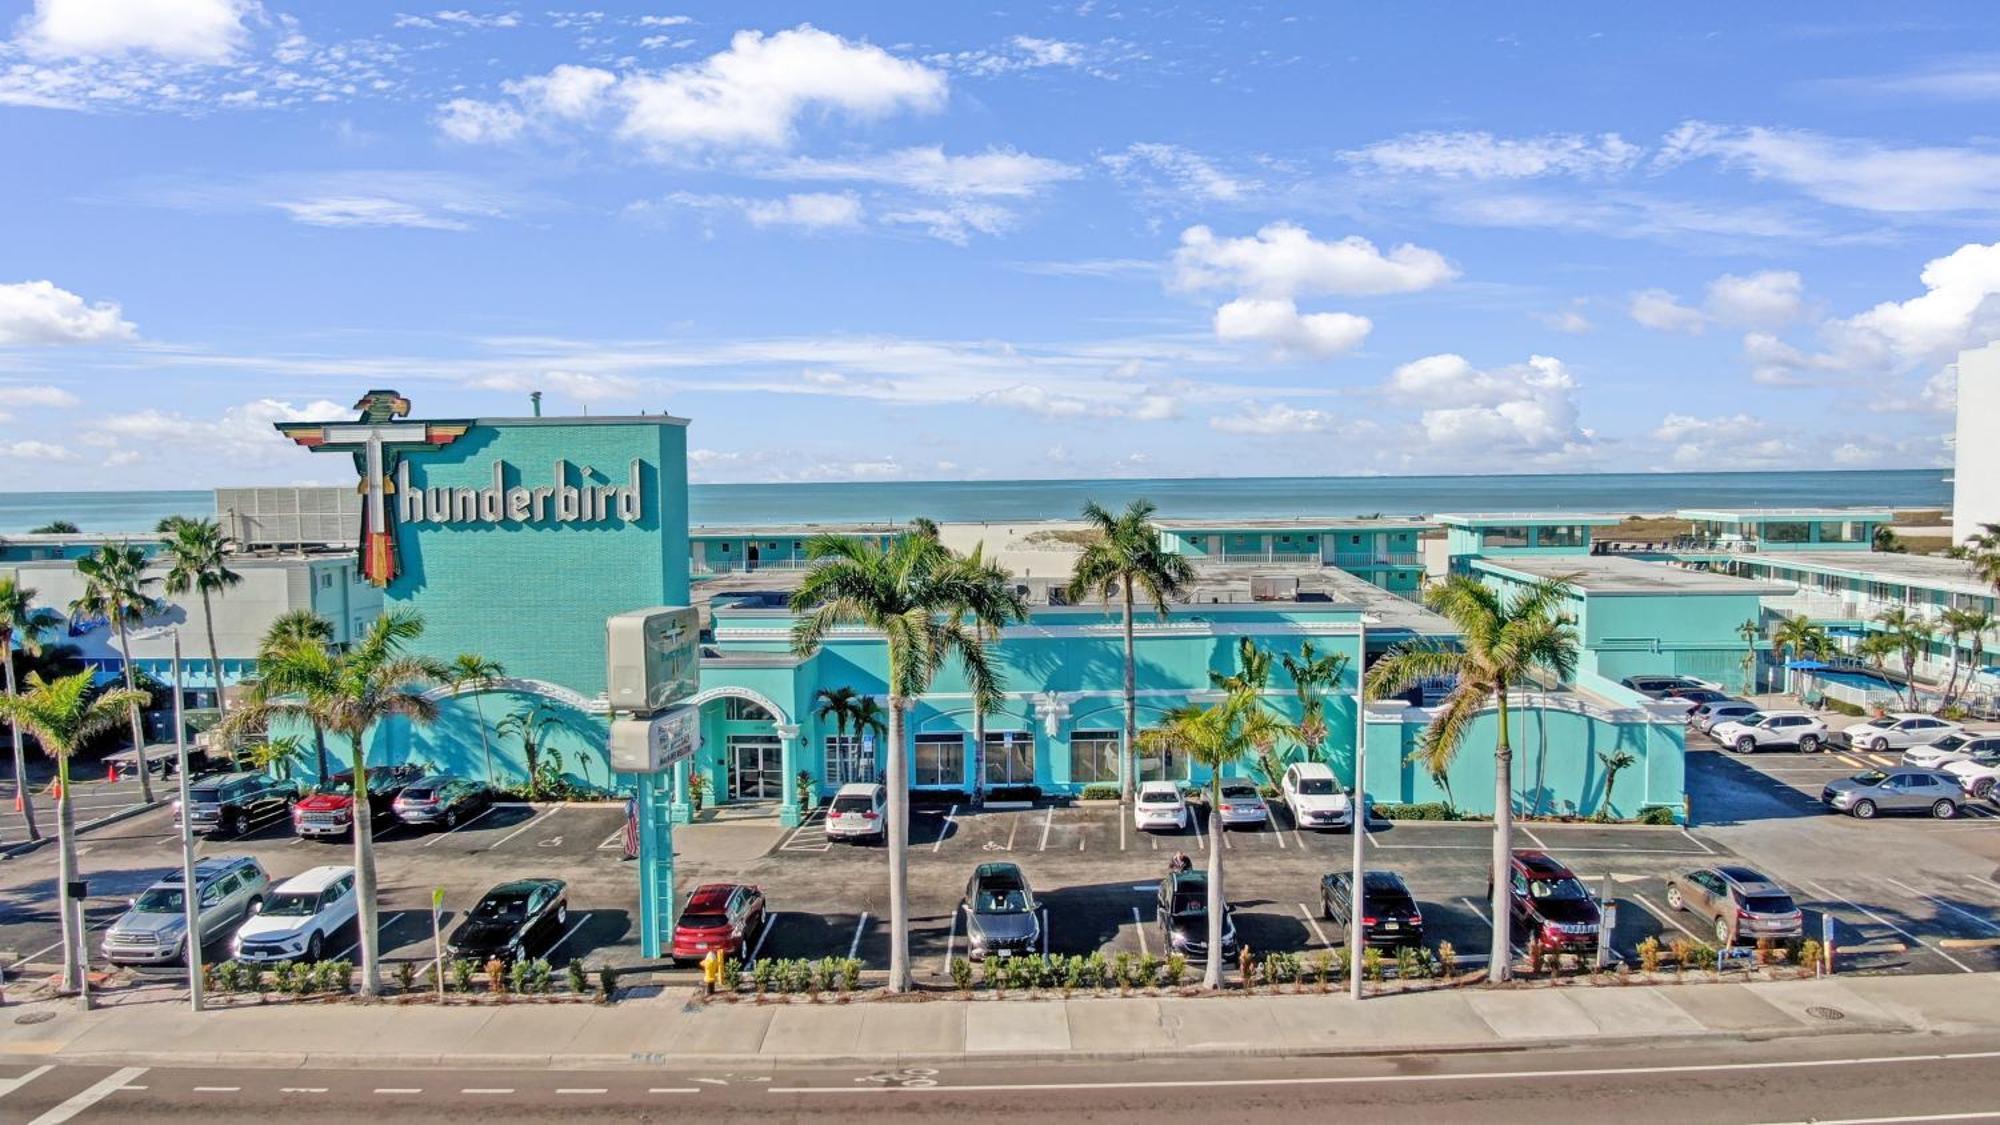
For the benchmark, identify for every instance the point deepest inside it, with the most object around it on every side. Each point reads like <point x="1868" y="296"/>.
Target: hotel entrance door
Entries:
<point x="756" y="768"/>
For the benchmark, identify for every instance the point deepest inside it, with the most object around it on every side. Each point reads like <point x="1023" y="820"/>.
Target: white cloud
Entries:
<point x="239" y="440"/>
<point x="664" y="21"/>
<point x="36" y="451"/>
<point x="1859" y="174"/>
<point x="476" y="122"/>
<point x="569" y="93"/>
<point x="820" y="378"/>
<point x="54" y="398"/>
<point x="995" y="172"/>
<point x="477" y="21"/>
<point x="1735" y="440"/>
<point x="1570" y="321"/>
<point x="956" y="222"/>
<point x="1482" y="156"/>
<point x="37" y="312"/>
<point x="1277" y="322"/>
<point x="1154" y="405"/>
<point x="1185" y="173"/>
<point x="1283" y="260"/>
<point x="1525" y="408"/>
<point x="1767" y="297"/>
<point x="1272" y="419"/>
<point x="813" y="211"/>
<point x="362" y="211"/>
<point x="207" y="31"/>
<point x="1659" y="310"/>
<point x="581" y="387"/>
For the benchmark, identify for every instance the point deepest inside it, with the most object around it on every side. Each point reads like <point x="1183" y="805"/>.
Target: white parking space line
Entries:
<point x="571" y="932"/>
<point x="399" y="1089"/>
<point x="582" y="1090"/>
<point x="617" y="841"/>
<point x="861" y="927"/>
<point x="1314" y="924"/>
<point x="85" y="1099"/>
<point x="216" y="1089"/>
<point x="673" y="1090"/>
<point x="382" y="924"/>
<point x="462" y="826"/>
<point x="944" y="965"/>
<point x="770" y="922"/>
<point x="302" y="1089"/>
<point x="1526" y="831"/>
<point x="1200" y="841"/>
<point x="1121" y="829"/>
<point x="1271" y="823"/>
<point x="1936" y="901"/>
<point x="1048" y="822"/>
<point x="1139" y="924"/>
<point x="1988" y="882"/>
<point x="525" y="825"/>
<point x="1013" y="826"/>
<point x="1475" y="910"/>
<point x="1663" y="916"/>
<point x="944" y="829"/>
<point x="487" y="1090"/>
<point x="1913" y="939"/>
<point x="9" y="1085"/>
<point x="1697" y="842"/>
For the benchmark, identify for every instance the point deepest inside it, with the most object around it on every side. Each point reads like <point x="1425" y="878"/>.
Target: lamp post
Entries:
<point x="190" y="899"/>
<point x="1356" y="932"/>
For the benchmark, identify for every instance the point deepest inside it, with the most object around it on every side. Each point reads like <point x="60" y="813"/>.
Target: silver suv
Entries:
<point x="154" y="930"/>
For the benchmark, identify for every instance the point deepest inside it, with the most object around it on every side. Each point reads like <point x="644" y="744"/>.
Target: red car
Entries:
<point x="1551" y="904"/>
<point x="328" y="811"/>
<point x="724" y="916"/>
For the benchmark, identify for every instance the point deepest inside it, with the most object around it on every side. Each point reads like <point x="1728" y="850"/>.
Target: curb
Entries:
<point x="26" y="846"/>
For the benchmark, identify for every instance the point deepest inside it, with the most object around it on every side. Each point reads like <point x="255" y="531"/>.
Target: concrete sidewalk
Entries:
<point x="672" y="1028"/>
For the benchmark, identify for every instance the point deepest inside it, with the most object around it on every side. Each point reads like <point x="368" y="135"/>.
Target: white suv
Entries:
<point x="1979" y="775"/>
<point x="300" y="917"/>
<point x="859" y="811"/>
<point x="1771" y="730"/>
<point x="1314" y="797"/>
<point x="1958" y="746"/>
<point x="1899" y="730"/>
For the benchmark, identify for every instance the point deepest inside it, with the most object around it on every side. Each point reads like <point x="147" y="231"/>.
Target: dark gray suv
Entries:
<point x="234" y="803"/>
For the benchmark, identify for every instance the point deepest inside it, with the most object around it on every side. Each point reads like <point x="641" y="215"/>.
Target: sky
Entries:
<point x="952" y="241"/>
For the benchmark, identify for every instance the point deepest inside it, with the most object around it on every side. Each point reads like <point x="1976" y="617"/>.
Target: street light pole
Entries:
<point x="1356" y="932"/>
<point x="190" y="898"/>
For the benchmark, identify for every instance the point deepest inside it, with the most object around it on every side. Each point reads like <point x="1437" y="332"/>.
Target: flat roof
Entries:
<point x="1391" y="610"/>
<point x="792" y="530"/>
<point x="1933" y="572"/>
<point x="1751" y="515"/>
<point x="1610" y="575"/>
<point x="1486" y="519"/>
<point x="1300" y="523"/>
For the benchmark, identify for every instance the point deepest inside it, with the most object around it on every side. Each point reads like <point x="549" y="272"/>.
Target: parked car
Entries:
<point x="1695" y="695"/>
<point x="1906" y="789"/>
<point x="1002" y="918"/>
<point x="1898" y="731"/>
<point x="300" y="917"/>
<point x="719" y="916"/>
<point x="153" y="931"/>
<point x="1771" y="730"/>
<point x="1657" y="687"/>
<point x="328" y="811"/>
<point x="437" y="798"/>
<point x="1314" y="797"/>
<point x="1958" y="746"/>
<point x="1243" y="804"/>
<point x="1183" y="917"/>
<point x="1550" y="904"/>
<point x="232" y="803"/>
<point x="1979" y="775"/>
<point x="858" y="812"/>
<point x="1706" y="716"/>
<point x="1740" y="903"/>
<point x="1159" y="807"/>
<point x="513" y="920"/>
<point x="1389" y="914"/>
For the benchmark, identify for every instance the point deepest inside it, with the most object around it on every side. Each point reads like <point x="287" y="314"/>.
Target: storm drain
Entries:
<point x="1822" y="1012"/>
<point x="26" y="1018"/>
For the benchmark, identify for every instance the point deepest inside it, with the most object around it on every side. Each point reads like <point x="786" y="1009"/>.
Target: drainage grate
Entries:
<point x="26" y="1018"/>
<point x="1822" y="1012"/>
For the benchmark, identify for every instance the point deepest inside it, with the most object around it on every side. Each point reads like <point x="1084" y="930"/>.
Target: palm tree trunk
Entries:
<point x="76" y="956"/>
<point x="21" y="789"/>
<point x="898" y="837"/>
<point x="138" y="734"/>
<point x="1501" y="964"/>
<point x="319" y="751"/>
<point x="978" y="755"/>
<point x="1211" y="977"/>
<point x="214" y="654"/>
<point x="364" y="874"/>
<point x="1128" y="783"/>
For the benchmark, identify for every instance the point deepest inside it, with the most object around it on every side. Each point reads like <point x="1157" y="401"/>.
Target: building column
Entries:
<point x="681" y="808"/>
<point x="789" y="810"/>
<point x="656" y="862"/>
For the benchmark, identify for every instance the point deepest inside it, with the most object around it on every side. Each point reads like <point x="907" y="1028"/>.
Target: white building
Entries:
<point x="1976" y="477"/>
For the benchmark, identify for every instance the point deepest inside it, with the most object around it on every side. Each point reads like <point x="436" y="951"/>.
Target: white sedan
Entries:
<point x="1243" y="804"/>
<point x="1159" y="807"/>
<point x="1898" y="731"/>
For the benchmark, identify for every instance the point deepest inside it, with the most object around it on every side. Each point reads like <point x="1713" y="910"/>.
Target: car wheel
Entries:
<point x="1809" y="744"/>
<point x="1325" y="906"/>
<point x="1864" y="810"/>
<point x="1675" y="900"/>
<point x="1723" y="937"/>
<point x="450" y="819"/>
<point x="315" y="945"/>
<point x="562" y="914"/>
<point x="1945" y="809"/>
<point x="1881" y="745"/>
<point x="1746" y="744"/>
<point x="233" y="824"/>
<point x="1983" y="787"/>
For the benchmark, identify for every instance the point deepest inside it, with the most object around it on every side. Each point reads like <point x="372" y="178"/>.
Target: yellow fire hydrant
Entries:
<point x="711" y="971"/>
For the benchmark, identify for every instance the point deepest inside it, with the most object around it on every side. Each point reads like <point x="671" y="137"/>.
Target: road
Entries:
<point x="1836" y="1079"/>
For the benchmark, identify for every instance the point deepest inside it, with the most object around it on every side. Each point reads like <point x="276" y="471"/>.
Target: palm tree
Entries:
<point x="837" y="704"/>
<point x="275" y="755"/>
<point x="1503" y="641"/>
<point x="371" y="682"/>
<point x="296" y="626"/>
<point x="1252" y="675"/>
<point x="22" y="622"/>
<point x="473" y="672"/>
<point x="62" y="715"/>
<point x="994" y="604"/>
<point x="56" y="527"/>
<point x="197" y="554"/>
<point x="295" y="659"/>
<point x="1612" y="762"/>
<point x="532" y="725"/>
<point x="1984" y="551"/>
<point x="1217" y="737"/>
<point x="1912" y="634"/>
<point x="1751" y="631"/>
<point x="1122" y="559"/>
<point x="870" y="717"/>
<point x="114" y="588"/>
<point x="1312" y="673"/>
<point x="917" y="595"/>
<point x="924" y="526"/>
<point x="1798" y="636"/>
<point x="1972" y="625"/>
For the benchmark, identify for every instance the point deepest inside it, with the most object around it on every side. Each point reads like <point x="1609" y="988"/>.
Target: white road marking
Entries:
<point x="302" y="1089"/>
<point x="529" y="823"/>
<point x="1369" y="1079"/>
<point x="487" y="1090"/>
<point x="1200" y="841"/>
<point x="617" y="840"/>
<point x="1140" y="924"/>
<point x="382" y="923"/>
<point x="673" y="1090"/>
<point x="582" y="1090"/>
<point x="1475" y="910"/>
<point x="9" y="1085"/>
<point x="571" y="932"/>
<point x="1988" y="882"/>
<point x="399" y="1089"/>
<point x="854" y="947"/>
<point x="944" y="829"/>
<point x="1940" y="902"/>
<point x="763" y="932"/>
<point x="1314" y="923"/>
<point x="1048" y="822"/>
<point x="1914" y="939"/>
<point x="1663" y="916"/>
<point x="1974" y="1115"/>
<point x="1271" y="823"/>
<point x="462" y="825"/>
<point x="1529" y="833"/>
<point x="85" y="1099"/>
<point x="216" y="1089"/>
<point x="1121" y="829"/>
<point x="944" y="966"/>
<point x="1013" y="826"/>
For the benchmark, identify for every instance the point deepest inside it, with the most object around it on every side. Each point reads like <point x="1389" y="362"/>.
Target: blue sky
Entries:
<point x="925" y="241"/>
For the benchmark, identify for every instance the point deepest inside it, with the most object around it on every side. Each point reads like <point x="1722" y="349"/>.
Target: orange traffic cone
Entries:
<point x="18" y="806"/>
<point x="55" y="789"/>
<point x="111" y="771"/>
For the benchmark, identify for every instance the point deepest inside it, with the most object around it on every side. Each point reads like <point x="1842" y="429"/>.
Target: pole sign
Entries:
<point x="437" y="939"/>
<point x="1826" y="943"/>
<point x="651" y="745"/>
<point x="652" y="658"/>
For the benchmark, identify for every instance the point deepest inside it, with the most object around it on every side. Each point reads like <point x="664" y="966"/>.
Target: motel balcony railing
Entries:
<point x="735" y="566"/>
<point x="1308" y="558"/>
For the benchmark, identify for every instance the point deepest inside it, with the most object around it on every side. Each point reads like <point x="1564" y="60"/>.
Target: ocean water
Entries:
<point x="1193" y="498"/>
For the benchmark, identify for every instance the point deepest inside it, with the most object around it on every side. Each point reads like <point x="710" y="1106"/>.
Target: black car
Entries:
<point x="441" y="800"/>
<point x="1389" y="915"/>
<point x="1696" y="695"/>
<point x="513" y="920"/>
<point x="233" y="803"/>
<point x="1002" y="918"/>
<point x="1183" y="915"/>
<point x="1658" y="687"/>
<point x="385" y="784"/>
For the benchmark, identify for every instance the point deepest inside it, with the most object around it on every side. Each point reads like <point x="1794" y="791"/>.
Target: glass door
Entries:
<point x="756" y="767"/>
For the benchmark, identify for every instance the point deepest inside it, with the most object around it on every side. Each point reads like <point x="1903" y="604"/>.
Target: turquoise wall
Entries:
<point x="451" y="744"/>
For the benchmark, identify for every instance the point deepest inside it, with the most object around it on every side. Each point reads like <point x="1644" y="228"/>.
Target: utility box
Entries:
<point x="652" y="658"/>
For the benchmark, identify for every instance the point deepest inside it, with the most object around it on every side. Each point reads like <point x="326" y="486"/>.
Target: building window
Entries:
<point x="326" y="581"/>
<point x="1093" y="756"/>
<point x="1010" y="757"/>
<point x="1503" y="537"/>
<point x="1787" y="531"/>
<point x="849" y="759"/>
<point x="744" y="711"/>
<point x="1565" y="535"/>
<point x="940" y="760"/>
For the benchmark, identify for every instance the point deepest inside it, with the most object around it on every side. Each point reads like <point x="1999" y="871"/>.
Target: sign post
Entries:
<point x="1607" y="907"/>
<point x="1825" y="966"/>
<point x="437" y="938"/>
<point x="652" y="665"/>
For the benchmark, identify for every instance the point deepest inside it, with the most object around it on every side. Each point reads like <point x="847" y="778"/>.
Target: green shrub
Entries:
<point x="229" y="976"/>
<point x="1371" y="964"/>
<point x="1100" y="792"/>
<point x="579" y="977"/>
<point x="1097" y="972"/>
<point x="254" y="979"/>
<point x="994" y="971"/>
<point x="304" y="980"/>
<point x="1343" y="963"/>
<point x="961" y="974"/>
<point x="462" y="972"/>
<point x="517" y="976"/>
<point x="540" y="977"/>
<point x="850" y="974"/>
<point x="607" y="982"/>
<point x="1649" y="954"/>
<point x="765" y="976"/>
<point x="1176" y="969"/>
<point x="1841" y="706"/>
<point x="406" y="976"/>
<point x="1810" y="953"/>
<point x="1656" y="814"/>
<point x="1426" y="810"/>
<point x="799" y="976"/>
<point x="1148" y="971"/>
<point x="1121" y="971"/>
<point x="730" y="977"/>
<point x="825" y="972"/>
<point x="1447" y="960"/>
<point x="1406" y="963"/>
<point x="1322" y="969"/>
<point x="333" y="976"/>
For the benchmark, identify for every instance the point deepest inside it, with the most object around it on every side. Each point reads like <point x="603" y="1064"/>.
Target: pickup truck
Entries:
<point x="328" y="811"/>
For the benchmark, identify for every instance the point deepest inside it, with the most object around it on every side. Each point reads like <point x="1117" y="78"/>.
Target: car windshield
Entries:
<point x="416" y="794"/>
<point x="1883" y="723"/>
<point x="1948" y="742"/>
<point x="291" y="904"/>
<point x="1750" y="718"/>
<point x="1190" y="902"/>
<point x="1000" y="900"/>
<point x="1769" y="904"/>
<point x="1567" y="889"/>
<point x="501" y="908"/>
<point x="1159" y="797"/>
<point x="1239" y="791"/>
<point x="852" y="804"/>
<point x="1316" y="786"/>
<point x="161" y="900"/>
<point x="1871" y="777"/>
<point x="205" y="794"/>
